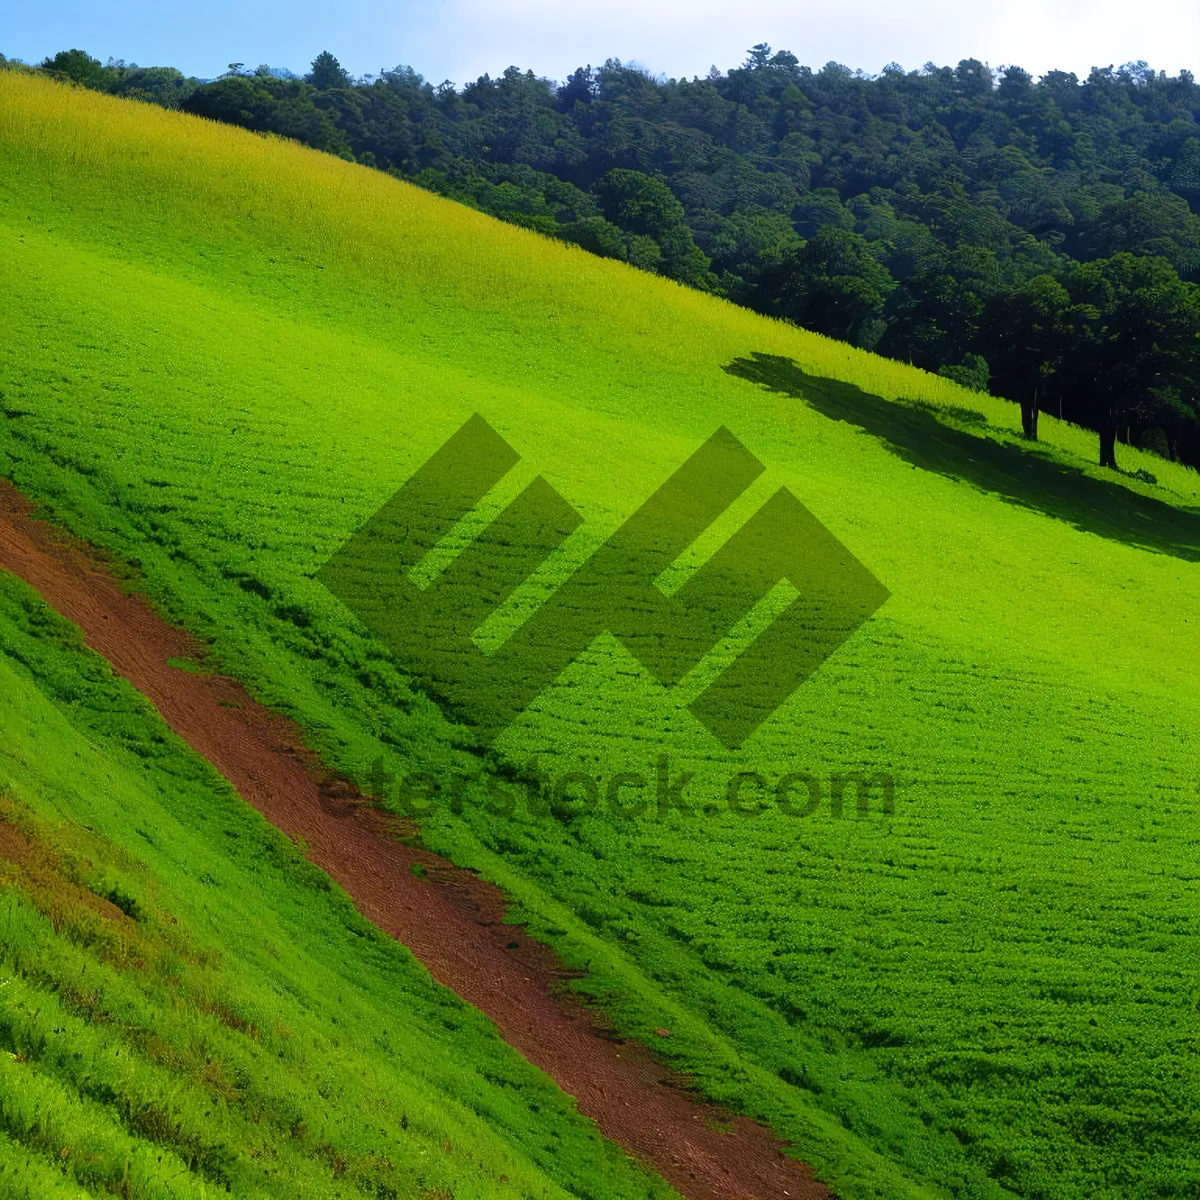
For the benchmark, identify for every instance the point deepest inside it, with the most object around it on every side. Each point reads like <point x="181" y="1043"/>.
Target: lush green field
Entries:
<point x="221" y="353"/>
<point x="188" y="1008"/>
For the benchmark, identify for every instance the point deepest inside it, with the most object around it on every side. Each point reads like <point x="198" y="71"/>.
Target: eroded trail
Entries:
<point x="451" y="920"/>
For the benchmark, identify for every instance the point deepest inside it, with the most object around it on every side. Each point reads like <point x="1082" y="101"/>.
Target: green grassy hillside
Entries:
<point x="187" y="1008"/>
<point x="222" y="353"/>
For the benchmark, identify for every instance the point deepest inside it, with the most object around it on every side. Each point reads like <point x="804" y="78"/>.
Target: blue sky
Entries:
<point x="461" y="39"/>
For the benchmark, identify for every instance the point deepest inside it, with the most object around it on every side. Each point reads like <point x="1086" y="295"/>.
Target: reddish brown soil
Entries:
<point x="451" y="920"/>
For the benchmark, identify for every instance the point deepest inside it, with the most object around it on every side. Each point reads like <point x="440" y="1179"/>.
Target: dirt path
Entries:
<point x="450" y="920"/>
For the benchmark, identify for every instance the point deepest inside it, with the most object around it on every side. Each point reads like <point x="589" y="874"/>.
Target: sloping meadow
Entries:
<point x="223" y="354"/>
<point x="187" y="1006"/>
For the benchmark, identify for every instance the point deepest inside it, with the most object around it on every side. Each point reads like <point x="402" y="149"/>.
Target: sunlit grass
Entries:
<point x="187" y="1008"/>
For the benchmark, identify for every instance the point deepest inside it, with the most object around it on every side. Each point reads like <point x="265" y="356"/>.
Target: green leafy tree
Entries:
<point x="1157" y="223"/>
<point x="832" y="284"/>
<point x="1178" y="420"/>
<point x="646" y="208"/>
<point x="936" y="314"/>
<point x="80" y="67"/>
<point x="282" y="106"/>
<point x="973" y="373"/>
<point x="1027" y="334"/>
<point x="599" y="236"/>
<point x="326" y="72"/>
<point x="374" y="121"/>
<point x="158" y="85"/>
<point x="744" y="245"/>
<point x="1136" y="331"/>
<point x="820" y="209"/>
<point x="580" y="88"/>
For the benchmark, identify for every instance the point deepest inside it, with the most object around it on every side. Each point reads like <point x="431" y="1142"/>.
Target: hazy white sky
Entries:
<point x="461" y="39"/>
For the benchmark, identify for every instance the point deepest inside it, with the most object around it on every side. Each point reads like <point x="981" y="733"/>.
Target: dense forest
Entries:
<point x="1035" y="238"/>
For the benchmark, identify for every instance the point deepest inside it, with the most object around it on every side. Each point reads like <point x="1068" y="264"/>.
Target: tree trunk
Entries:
<point x="1108" y="444"/>
<point x="1029" y="417"/>
<point x="1172" y="447"/>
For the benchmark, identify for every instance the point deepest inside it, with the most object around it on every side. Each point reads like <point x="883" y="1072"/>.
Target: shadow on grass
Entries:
<point x="1020" y="476"/>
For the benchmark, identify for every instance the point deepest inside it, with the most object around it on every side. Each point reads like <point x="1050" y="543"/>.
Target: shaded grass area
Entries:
<point x="224" y="354"/>
<point x="1019" y="474"/>
<point x="188" y="1008"/>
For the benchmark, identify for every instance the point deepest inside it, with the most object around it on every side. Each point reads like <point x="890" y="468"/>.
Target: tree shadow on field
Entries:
<point x="1020" y="476"/>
